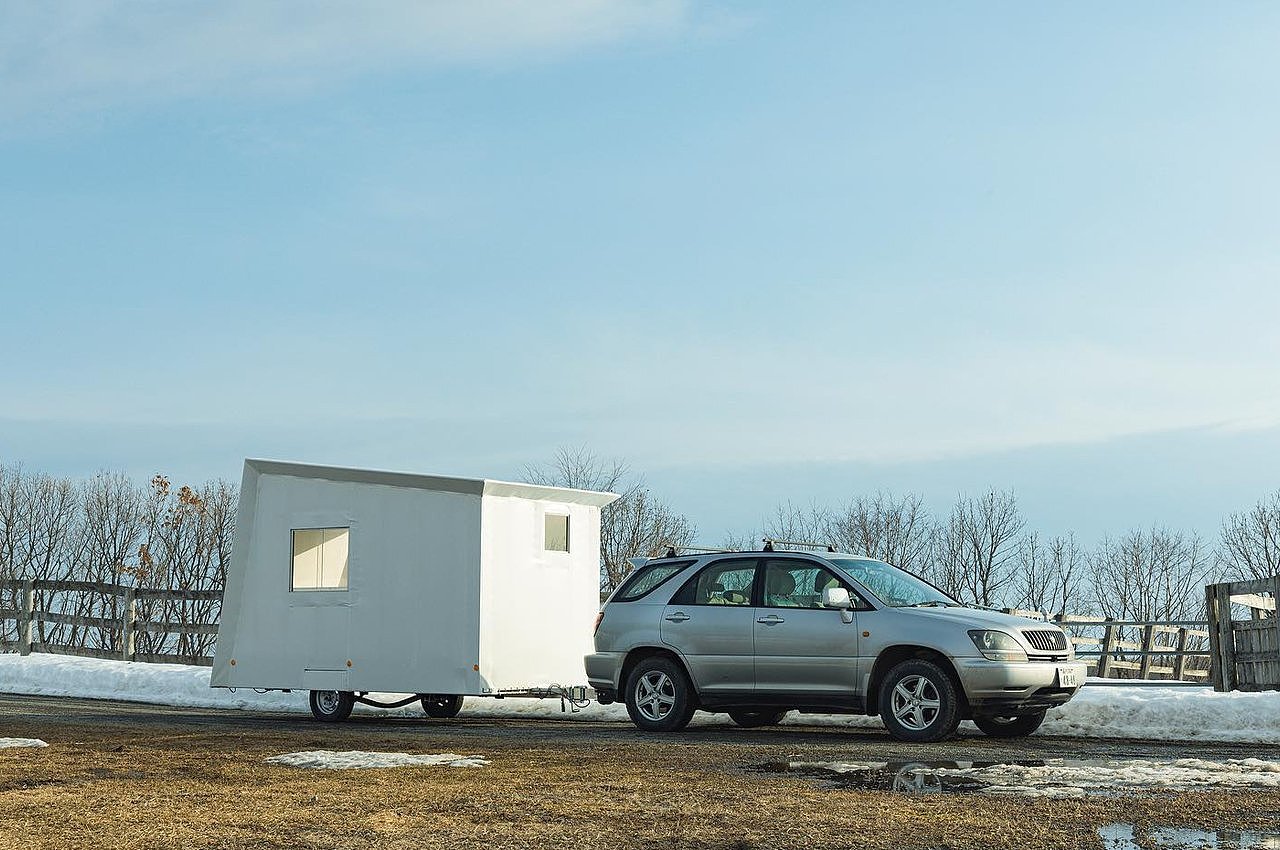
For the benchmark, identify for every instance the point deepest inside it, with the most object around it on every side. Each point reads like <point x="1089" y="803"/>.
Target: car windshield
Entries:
<point x="893" y="586"/>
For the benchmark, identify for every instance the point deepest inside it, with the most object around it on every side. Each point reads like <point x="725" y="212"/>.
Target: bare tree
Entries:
<point x="893" y="529"/>
<point x="639" y="524"/>
<point x="1152" y="575"/>
<point x="1251" y="540"/>
<point x="789" y="522"/>
<point x="975" y="551"/>
<point x="1051" y="575"/>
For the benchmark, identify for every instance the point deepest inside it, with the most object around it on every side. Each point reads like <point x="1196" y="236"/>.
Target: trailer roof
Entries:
<point x="445" y="483"/>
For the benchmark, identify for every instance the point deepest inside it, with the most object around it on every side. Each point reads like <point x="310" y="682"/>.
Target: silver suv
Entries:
<point x="758" y="634"/>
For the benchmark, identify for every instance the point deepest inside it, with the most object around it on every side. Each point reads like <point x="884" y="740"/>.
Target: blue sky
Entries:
<point x="763" y="251"/>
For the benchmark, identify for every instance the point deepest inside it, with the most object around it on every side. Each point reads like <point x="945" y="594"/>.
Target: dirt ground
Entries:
<point x="129" y="776"/>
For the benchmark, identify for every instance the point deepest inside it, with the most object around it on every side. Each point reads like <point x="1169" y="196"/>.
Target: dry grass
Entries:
<point x="135" y="788"/>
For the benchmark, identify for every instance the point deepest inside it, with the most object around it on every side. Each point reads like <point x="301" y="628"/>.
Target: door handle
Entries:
<point x="771" y="620"/>
<point x="678" y="617"/>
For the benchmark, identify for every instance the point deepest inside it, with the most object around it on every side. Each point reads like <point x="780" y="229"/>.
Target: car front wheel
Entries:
<point x="918" y="702"/>
<point x="1019" y="726"/>
<point x="659" y="697"/>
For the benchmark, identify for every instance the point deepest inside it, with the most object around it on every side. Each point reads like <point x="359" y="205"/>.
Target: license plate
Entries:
<point x="1068" y="677"/>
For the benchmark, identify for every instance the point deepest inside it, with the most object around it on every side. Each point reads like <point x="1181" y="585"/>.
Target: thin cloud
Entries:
<point x="61" y="57"/>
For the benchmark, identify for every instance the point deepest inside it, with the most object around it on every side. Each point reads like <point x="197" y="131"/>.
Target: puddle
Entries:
<point x="1125" y="836"/>
<point x="1052" y="778"/>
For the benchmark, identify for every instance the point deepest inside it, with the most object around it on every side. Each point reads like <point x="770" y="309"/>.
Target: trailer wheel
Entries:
<point x="441" y="705"/>
<point x="332" y="706"/>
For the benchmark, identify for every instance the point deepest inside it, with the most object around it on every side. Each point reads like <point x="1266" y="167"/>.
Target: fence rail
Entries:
<point x="126" y="623"/>
<point x="1100" y="642"/>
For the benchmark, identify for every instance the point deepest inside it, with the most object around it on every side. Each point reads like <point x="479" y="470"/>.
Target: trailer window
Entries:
<point x="555" y="537"/>
<point x="320" y="558"/>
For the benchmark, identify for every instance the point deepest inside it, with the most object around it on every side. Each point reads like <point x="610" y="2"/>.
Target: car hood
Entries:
<point x="978" y="618"/>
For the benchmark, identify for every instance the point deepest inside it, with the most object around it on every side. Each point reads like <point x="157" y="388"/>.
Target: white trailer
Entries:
<point x="345" y="582"/>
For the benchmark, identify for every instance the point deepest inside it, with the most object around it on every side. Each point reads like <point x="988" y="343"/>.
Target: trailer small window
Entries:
<point x="320" y="558"/>
<point x="555" y="537"/>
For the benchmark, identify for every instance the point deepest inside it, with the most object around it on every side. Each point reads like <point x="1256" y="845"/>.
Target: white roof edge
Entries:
<point x="446" y="483"/>
<point x="554" y="494"/>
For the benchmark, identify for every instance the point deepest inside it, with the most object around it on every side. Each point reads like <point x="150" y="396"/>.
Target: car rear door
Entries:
<point x="800" y="646"/>
<point x="710" y="621"/>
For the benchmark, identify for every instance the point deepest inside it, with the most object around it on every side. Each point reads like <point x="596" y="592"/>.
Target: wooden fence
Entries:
<point x="1245" y="650"/>
<point x="1137" y="649"/>
<point x="116" y="636"/>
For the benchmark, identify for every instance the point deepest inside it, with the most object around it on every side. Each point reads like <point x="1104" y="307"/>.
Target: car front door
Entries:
<point x="710" y="621"/>
<point x="800" y="646"/>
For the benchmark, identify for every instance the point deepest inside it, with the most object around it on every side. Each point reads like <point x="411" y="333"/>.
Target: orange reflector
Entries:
<point x="348" y="662"/>
<point x="866" y="634"/>
<point x="475" y="667"/>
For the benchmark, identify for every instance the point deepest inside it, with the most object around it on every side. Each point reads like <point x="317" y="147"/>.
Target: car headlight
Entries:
<point x="997" y="646"/>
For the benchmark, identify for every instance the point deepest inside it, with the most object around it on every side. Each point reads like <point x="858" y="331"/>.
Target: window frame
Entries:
<point x="568" y="531"/>
<point x="756" y="560"/>
<point x="293" y="555"/>
<point x="857" y="597"/>
<point x="620" y="595"/>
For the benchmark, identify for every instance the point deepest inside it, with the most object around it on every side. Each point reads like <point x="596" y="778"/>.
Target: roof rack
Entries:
<point x="676" y="551"/>
<point x="770" y="545"/>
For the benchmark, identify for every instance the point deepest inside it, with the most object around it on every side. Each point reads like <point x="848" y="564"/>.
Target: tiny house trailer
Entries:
<point x="345" y="582"/>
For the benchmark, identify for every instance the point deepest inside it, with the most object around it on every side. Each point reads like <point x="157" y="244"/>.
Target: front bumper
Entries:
<point x="996" y="687"/>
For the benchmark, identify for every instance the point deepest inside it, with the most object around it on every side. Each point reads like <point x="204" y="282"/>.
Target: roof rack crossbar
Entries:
<point x="771" y="544"/>
<point x="676" y="551"/>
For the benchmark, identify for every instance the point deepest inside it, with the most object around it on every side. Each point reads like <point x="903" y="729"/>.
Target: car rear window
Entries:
<point x="647" y="579"/>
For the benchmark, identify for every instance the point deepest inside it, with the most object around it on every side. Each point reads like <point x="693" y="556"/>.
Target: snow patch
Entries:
<point x="1059" y="777"/>
<point x="357" y="760"/>
<point x="7" y="743"/>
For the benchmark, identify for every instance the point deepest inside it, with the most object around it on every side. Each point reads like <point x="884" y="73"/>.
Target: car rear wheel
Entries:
<point x="918" y="702"/>
<point x="441" y="706"/>
<point x="757" y="717"/>
<point x="659" y="697"/>
<point x="332" y="706"/>
<point x="1018" y="726"/>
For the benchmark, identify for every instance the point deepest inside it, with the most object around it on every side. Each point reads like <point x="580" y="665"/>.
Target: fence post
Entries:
<point x="26" y="617"/>
<point x="1180" y="660"/>
<point x="1215" y="650"/>
<point x="1226" y="637"/>
<point x="1148" y="641"/>
<point x="1108" y="647"/>
<point x="128" y="625"/>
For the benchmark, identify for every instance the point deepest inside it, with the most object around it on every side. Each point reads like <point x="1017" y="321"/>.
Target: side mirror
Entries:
<point x="836" y="597"/>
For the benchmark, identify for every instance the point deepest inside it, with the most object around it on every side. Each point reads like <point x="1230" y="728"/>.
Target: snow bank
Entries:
<point x="1144" y="712"/>
<point x="8" y="743"/>
<point x="357" y="760"/>
<point x="1168" y="714"/>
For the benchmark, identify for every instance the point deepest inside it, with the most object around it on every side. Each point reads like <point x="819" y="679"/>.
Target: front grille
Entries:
<point x="1046" y="640"/>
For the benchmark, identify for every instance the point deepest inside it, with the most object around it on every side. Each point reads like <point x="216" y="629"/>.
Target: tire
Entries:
<point x="755" y="718"/>
<point x="1019" y="726"/>
<point x="659" y="696"/>
<point x="441" y="706"/>
<point x="332" y="706"/>
<point x="918" y="702"/>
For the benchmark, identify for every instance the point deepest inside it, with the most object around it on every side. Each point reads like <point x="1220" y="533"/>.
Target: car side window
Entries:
<point x="722" y="583"/>
<point x="795" y="583"/>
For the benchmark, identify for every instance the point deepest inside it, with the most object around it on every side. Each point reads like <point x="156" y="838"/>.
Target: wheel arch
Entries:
<point x="892" y="656"/>
<point x="639" y="653"/>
